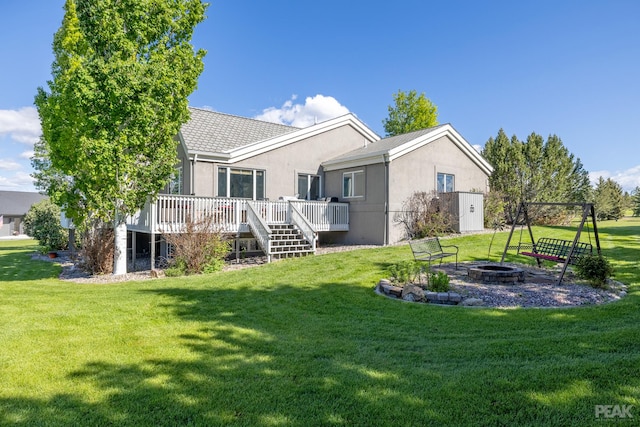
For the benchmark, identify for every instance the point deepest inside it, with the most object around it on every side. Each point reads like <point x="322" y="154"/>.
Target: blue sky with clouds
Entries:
<point x="563" y="67"/>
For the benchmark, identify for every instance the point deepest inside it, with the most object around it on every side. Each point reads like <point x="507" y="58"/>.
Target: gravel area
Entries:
<point x="538" y="290"/>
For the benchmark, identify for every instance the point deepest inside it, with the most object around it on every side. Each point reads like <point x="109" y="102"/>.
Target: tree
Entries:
<point x="635" y="201"/>
<point x="42" y="222"/>
<point x="411" y="112"/>
<point x="121" y="76"/>
<point x="608" y="200"/>
<point x="506" y="158"/>
<point x="536" y="171"/>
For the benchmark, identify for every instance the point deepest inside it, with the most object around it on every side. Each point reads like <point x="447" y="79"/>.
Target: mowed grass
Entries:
<point x="307" y="342"/>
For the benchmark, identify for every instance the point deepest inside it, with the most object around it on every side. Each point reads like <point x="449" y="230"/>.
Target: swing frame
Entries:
<point x="588" y="210"/>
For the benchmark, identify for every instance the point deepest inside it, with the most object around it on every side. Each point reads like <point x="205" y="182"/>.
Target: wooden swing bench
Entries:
<point x="557" y="250"/>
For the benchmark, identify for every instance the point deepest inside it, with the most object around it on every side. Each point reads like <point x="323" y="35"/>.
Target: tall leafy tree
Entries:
<point x="608" y="199"/>
<point x="120" y="79"/>
<point x="411" y="112"/>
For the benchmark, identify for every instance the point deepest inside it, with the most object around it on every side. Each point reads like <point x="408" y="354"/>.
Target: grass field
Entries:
<point x="307" y="342"/>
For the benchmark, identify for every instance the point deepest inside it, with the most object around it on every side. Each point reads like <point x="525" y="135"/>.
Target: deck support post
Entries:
<point x="153" y="250"/>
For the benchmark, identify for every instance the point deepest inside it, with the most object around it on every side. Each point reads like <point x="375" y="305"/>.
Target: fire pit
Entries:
<point x="496" y="274"/>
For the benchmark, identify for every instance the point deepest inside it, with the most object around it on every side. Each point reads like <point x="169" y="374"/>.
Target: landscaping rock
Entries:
<point x="455" y="297"/>
<point x="443" y="296"/>
<point x="387" y="288"/>
<point x="472" y="302"/>
<point x="157" y="274"/>
<point x="412" y="292"/>
<point x="431" y="296"/>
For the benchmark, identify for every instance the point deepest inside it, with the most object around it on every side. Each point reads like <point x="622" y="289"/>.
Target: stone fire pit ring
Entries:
<point x="501" y="274"/>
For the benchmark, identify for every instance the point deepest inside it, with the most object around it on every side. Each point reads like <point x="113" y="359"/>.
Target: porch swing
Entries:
<point x="553" y="249"/>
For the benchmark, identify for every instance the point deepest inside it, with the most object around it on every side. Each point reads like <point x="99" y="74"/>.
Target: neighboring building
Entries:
<point x="14" y="205"/>
<point x="336" y="180"/>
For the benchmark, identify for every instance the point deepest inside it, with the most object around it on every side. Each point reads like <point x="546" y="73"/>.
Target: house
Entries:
<point x="385" y="174"/>
<point x="334" y="181"/>
<point x="14" y="205"/>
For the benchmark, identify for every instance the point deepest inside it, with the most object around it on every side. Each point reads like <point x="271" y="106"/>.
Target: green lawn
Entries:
<point x="307" y="342"/>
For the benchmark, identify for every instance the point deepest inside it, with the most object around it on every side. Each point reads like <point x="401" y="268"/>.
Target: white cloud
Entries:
<point x="314" y="110"/>
<point x="478" y="148"/>
<point x="18" y="182"/>
<point x="628" y="179"/>
<point x="21" y="125"/>
<point x="27" y="154"/>
<point x="9" y="165"/>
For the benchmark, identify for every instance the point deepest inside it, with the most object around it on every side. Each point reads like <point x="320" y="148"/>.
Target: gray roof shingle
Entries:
<point x="387" y="144"/>
<point x="18" y="203"/>
<point x="213" y="132"/>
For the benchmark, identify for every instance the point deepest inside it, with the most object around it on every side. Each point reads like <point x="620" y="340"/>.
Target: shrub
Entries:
<point x="494" y="210"/>
<point x="423" y="215"/>
<point x="439" y="282"/>
<point x="405" y="272"/>
<point x="98" y="248"/>
<point x="200" y="248"/>
<point x="178" y="268"/>
<point x="595" y="269"/>
<point x="42" y="222"/>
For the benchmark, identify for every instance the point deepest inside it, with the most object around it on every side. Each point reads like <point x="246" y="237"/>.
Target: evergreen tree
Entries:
<point x="536" y="171"/>
<point x="635" y="201"/>
<point x="608" y="199"/>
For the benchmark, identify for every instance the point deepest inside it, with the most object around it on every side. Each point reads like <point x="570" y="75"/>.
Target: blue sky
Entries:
<point x="569" y="68"/>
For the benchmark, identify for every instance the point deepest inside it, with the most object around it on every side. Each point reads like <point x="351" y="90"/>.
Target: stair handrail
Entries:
<point x="260" y="229"/>
<point x="303" y="224"/>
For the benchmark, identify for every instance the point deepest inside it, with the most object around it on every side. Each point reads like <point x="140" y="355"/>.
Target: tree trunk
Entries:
<point x="120" y="252"/>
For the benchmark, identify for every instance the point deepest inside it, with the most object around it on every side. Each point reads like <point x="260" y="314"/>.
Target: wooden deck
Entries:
<point x="169" y="213"/>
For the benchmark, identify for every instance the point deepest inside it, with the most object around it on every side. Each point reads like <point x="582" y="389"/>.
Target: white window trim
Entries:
<point x="353" y="182"/>
<point x="308" y="189"/>
<point x="254" y="177"/>
<point x="446" y="175"/>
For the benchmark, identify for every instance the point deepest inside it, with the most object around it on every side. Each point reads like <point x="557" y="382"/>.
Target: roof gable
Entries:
<point x="224" y="138"/>
<point x="212" y="132"/>
<point x="388" y="149"/>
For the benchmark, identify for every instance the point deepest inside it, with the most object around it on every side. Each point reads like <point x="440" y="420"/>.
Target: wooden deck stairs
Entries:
<point x="287" y="241"/>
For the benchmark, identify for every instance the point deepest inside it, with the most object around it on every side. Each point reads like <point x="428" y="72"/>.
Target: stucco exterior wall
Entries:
<point x="414" y="171"/>
<point x="366" y="214"/>
<point x="282" y="165"/>
<point x="418" y="171"/>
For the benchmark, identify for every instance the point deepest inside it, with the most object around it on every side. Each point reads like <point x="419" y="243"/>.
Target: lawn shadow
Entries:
<point x="322" y="352"/>
<point x="277" y="356"/>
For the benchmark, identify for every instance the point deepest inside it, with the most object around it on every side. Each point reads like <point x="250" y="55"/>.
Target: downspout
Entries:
<point x="386" y="199"/>
<point x="193" y="174"/>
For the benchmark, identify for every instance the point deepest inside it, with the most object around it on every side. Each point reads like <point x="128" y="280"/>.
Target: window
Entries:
<point x="353" y="184"/>
<point x="446" y="183"/>
<point x="175" y="184"/>
<point x="241" y="183"/>
<point x="308" y="187"/>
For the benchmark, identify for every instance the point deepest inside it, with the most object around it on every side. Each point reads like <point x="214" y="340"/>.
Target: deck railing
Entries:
<point x="302" y="222"/>
<point x="262" y="232"/>
<point x="170" y="213"/>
